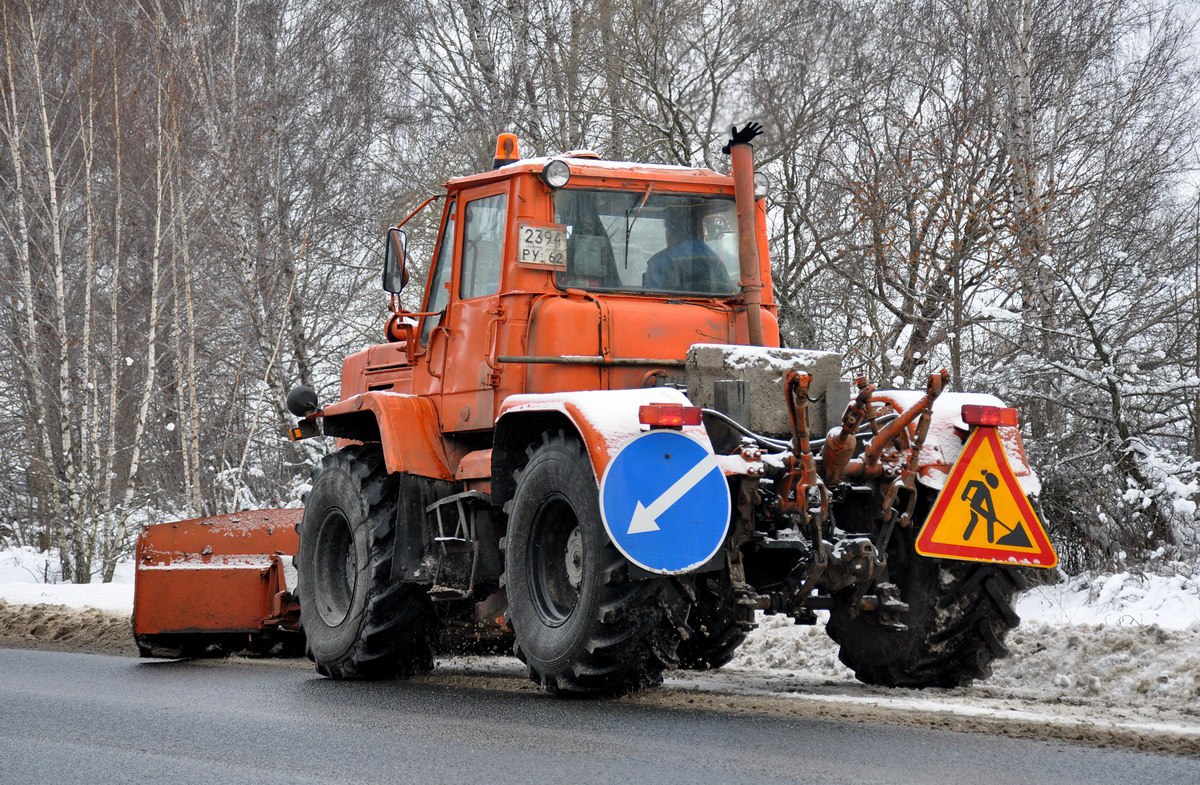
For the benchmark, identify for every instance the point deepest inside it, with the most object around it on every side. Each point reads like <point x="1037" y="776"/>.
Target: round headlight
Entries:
<point x="556" y="173"/>
<point x="761" y="185"/>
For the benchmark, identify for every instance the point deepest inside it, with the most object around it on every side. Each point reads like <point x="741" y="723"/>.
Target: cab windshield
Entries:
<point x="639" y="241"/>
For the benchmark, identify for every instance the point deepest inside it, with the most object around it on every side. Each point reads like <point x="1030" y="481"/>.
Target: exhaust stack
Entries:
<point x="741" y="150"/>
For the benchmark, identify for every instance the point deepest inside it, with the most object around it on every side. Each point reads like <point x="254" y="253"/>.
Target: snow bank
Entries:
<point x="1134" y="666"/>
<point x="1116" y="645"/>
<point x="1084" y="614"/>
<point x="779" y="644"/>
<point x="1125" y="599"/>
<point x="74" y="629"/>
<point x="112" y="597"/>
<point x="28" y="577"/>
<point x="26" y="565"/>
<point x="1106" y="666"/>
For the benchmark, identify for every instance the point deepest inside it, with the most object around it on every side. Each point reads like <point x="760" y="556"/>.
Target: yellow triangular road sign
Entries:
<point x="982" y="514"/>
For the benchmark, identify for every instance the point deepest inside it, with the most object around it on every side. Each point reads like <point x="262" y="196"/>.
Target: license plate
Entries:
<point x="543" y="246"/>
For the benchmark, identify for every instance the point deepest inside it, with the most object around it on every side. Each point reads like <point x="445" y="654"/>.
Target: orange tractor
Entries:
<point x="588" y="446"/>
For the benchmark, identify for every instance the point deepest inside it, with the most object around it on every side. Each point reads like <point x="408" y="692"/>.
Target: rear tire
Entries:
<point x="959" y="614"/>
<point x="581" y="625"/>
<point x="716" y="630"/>
<point x="358" y="623"/>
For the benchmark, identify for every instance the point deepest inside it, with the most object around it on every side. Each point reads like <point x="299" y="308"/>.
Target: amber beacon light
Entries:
<point x="506" y="150"/>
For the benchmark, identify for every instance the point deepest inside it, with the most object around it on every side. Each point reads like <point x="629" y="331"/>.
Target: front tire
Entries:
<point x="581" y="625"/>
<point x="358" y="623"/>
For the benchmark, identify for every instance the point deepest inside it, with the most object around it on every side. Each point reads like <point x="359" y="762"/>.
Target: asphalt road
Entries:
<point x="80" y="718"/>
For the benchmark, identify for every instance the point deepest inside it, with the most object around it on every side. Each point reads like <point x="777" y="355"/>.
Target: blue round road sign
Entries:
<point x="665" y="502"/>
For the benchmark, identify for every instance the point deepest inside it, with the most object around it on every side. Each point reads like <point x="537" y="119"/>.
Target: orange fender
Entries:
<point x="407" y="426"/>
<point x="606" y="420"/>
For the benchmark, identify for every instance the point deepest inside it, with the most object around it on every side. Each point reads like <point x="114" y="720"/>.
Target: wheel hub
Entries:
<point x="555" y="560"/>
<point x="336" y="570"/>
<point x="574" y="558"/>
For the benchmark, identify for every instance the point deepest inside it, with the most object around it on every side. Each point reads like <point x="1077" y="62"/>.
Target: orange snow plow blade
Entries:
<point x="212" y="586"/>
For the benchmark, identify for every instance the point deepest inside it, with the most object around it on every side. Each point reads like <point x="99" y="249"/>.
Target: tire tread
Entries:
<point x="637" y="629"/>
<point x="395" y="637"/>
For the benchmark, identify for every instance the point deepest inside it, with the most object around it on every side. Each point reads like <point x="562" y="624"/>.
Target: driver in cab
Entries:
<point x="687" y="264"/>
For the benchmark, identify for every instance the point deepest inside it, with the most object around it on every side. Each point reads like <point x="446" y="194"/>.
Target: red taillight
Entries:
<point x="668" y="415"/>
<point x="974" y="414"/>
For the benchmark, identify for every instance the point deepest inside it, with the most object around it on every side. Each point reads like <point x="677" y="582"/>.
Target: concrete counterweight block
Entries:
<point x="761" y="369"/>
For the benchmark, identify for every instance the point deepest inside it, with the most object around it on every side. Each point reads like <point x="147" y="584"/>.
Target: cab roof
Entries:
<point x="596" y="167"/>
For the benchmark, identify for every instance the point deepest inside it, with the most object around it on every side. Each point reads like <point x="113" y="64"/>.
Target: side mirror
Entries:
<point x="395" y="272"/>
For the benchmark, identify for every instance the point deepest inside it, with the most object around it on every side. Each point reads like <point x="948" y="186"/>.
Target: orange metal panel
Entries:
<point x="637" y="327"/>
<point x="354" y="369"/>
<point x="561" y="326"/>
<point x="408" y="427"/>
<point x="468" y="392"/>
<point x="216" y="574"/>
<point x="475" y="466"/>
<point x="474" y="471"/>
<point x="253" y="532"/>
<point x="178" y="599"/>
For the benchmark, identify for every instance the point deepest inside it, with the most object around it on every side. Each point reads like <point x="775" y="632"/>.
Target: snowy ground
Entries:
<point x="30" y="578"/>
<point x="1114" y="654"/>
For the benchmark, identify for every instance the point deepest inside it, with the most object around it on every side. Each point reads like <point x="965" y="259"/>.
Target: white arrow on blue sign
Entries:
<point x="665" y="502"/>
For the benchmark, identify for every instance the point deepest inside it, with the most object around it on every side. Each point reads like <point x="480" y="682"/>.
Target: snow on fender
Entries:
<point x="947" y="436"/>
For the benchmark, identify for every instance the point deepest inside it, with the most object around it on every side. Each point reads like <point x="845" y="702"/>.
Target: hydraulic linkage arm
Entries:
<point x="886" y="598"/>
<point x="907" y="480"/>
<point x="804" y="492"/>
<point x="842" y="441"/>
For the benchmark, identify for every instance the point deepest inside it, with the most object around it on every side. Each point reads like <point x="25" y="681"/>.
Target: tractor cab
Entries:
<point x="568" y="273"/>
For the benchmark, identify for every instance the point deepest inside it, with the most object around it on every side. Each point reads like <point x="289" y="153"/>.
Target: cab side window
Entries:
<point x="439" y="292"/>
<point x="483" y="246"/>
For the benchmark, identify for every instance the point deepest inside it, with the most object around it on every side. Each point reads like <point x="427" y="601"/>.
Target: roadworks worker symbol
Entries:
<point x="982" y="514"/>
